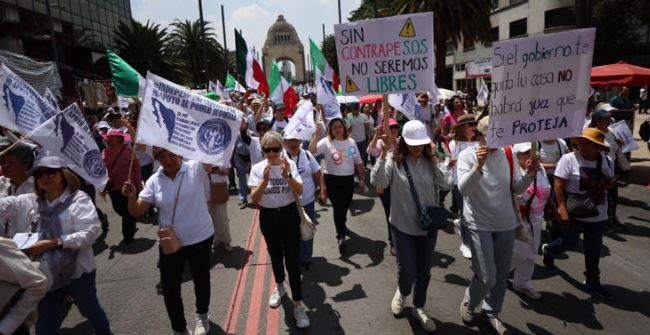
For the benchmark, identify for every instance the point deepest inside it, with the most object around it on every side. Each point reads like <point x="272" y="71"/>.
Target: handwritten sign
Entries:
<point x="387" y="55"/>
<point x="623" y="133"/>
<point x="540" y="87"/>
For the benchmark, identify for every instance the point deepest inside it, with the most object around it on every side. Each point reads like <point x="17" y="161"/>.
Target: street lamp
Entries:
<point x="55" y="52"/>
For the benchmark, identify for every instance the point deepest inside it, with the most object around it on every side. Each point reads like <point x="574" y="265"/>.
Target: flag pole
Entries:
<point x="137" y="103"/>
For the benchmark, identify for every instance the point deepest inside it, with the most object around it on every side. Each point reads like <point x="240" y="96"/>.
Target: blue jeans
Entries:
<point x="491" y="257"/>
<point x="84" y="293"/>
<point x="243" y="184"/>
<point x="593" y="242"/>
<point x="307" y="247"/>
<point x="463" y="230"/>
<point x="414" y="258"/>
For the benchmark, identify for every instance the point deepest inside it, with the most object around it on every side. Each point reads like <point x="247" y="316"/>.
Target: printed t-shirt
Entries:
<point x="277" y="193"/>
<point x="340" y="155"/>
<point x="358" y="125"/>
<point x="550" y="154"/>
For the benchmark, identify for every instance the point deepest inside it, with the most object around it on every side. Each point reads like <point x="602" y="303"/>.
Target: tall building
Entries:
<point x="83" y="28"/>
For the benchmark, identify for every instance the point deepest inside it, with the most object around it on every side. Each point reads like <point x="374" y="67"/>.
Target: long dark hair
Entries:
<point x="329" y="128"/>
<point x="402" y="151"/>
<point x="450" y="103"/>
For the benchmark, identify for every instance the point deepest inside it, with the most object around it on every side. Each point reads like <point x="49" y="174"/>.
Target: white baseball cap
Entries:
<point x="415" y="133"/>
<point x="521" y="148"/>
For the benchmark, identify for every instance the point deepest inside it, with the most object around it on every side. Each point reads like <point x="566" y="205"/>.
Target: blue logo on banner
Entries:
<point x="168" y="117"/>
<point x="94" y="164"/>
<point x="14" y="102"/>
<point x="66" y="130"/>
<point x="214" y="136"/>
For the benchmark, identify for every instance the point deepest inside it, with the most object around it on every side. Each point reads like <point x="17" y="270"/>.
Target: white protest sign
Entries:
<point x="22" y="109"/>
<point x="302" y="125"/>
<point x="387" y="55"/>
<point x="326" y="97"/>
<point x="622" y="132"/>
<point x="407" y="104"/>
<point x="187" y="124"/>
<point x="68" y="136"/>
<point x="540" y="87"/>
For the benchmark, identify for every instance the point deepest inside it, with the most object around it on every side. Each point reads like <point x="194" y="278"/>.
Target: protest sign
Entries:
<point x="68" y="136"/>
<point x="623" y="133"/>
<point x="387" y="55"/>
<point x="326" y="97"/>
<point x="187" y="124"/>
<point x="540" y="87"/>
<point x="22" y="109"/>
<point x="301" y="125"/>
<point x="407" y="104"/>
<point x="51" y="98"/>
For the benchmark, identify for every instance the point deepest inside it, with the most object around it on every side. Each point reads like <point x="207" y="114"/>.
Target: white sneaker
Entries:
<point x="397" y="305"/>
<point x="498" y="326"/>
<point x="276" y="296"/>
<point x="465" y="251"/>
<point x="529" y="292"/>
<point x="302" y="321"/>
<point x="202" y="324"/>
<point x="425" y="321"/>
<point x="466" y="312"/>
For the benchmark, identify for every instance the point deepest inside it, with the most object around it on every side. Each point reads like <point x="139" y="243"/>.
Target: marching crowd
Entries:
<point x="502" y="198"/>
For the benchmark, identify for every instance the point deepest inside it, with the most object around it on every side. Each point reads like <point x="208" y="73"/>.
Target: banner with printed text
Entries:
<point x="540" y="87"/>
<point x="387" y="55"/>
<point x="68" y="136"/>
<point x="22" y="109"/>
<point x="187" y="124"/>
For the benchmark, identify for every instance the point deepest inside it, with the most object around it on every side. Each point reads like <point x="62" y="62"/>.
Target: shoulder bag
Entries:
<point x="431" y="217"/>
<point x="167" y="239"/>
<point x="583" y="205"/>
<point x="307" y="227"/>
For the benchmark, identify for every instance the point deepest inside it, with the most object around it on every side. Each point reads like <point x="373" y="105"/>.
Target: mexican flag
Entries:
<point x="249" y="66"/>
<point x="233" y="84"/>
<point x="320" y="65"/>
<point x="128" y="82"/>
<point x="281" y="90"/>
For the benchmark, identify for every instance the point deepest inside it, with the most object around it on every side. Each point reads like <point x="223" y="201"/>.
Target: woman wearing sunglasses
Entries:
<point x="275" y="183"/>
<point x="67" y="224"/>
<point x="341" y="159"/>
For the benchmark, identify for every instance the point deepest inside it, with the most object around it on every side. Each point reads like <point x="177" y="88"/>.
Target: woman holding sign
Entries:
<point x="276" y="183"/>
<point x="342" y="157"/>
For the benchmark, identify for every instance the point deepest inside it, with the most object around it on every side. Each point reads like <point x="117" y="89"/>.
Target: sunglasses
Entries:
<point x="272" y="149"/>
<point x="45" y="172"/>
<point x="394" y="127"/>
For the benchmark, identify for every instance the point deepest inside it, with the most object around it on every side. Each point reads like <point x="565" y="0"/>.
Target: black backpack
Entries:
<point x="644" y="130"/>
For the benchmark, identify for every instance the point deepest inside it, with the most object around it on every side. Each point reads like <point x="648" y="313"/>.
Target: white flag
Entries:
<point x="222" y="92"/>
<point x="51" y="98"/>
<point x="302" y="125"/>
<point x="68" y="136"/>
<point x="483" y="92"/>
<point x="407" y="104"/>
<point x="187" y="124"/>
<point x="326" y="97"/>
<point x="22" y="109"/>
<point x="122" y="102"/>
<point x="212" y="87"/>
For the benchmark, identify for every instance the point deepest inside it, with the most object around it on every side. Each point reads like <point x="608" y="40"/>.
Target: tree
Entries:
<point x="454" y="21"/>
<point x="617" y="34"/>
<point x="186" y="42"/>
<point x="329" y="51"/>
<point x="145" y="48"/>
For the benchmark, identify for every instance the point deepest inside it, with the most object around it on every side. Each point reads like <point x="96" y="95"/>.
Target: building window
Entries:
<point x="564" y="16"/>
<point x="468" y="45"/>
<point x="514" y="2"/>
<point x="494" y="35"/>
<point x="494" y="4"/>
<point x="518" y="28"/>
<point x="450" y="48"/>
<point x="460" y="67"/>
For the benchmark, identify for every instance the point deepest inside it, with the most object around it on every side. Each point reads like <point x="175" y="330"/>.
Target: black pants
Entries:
<point x="146" y="171"/>
<point x="281" y="230"/>
<point x="340" y="190"/>
<point x="120" y="203"/>
<point x="385" y="201"/>
<point x="592" y="244"/>
<point x="171" y="275"/>
<point x="612" y="202"/>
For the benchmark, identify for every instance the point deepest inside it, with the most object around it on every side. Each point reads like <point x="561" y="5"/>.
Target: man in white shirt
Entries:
<point x="359" y="128"/>
<point x="643" y="100"/>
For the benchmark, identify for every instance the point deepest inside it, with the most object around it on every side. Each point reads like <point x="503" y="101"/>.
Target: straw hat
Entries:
<point x="595" y="136"/>
<point x="465" y="119"/>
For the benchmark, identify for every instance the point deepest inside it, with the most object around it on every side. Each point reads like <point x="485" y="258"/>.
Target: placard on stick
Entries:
<point x="387" y="55"/>
<point x="540" y="87"/>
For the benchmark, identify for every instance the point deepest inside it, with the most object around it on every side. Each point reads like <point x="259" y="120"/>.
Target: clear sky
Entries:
<point x="253" y="17"/>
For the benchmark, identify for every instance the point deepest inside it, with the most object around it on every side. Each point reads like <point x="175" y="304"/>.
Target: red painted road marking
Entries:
<point x="230" y="324"/>
<point x="257" y="292"/>
<point x="273" y="316"/>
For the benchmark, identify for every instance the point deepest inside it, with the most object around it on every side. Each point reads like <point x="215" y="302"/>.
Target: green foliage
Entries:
<point x="617" y="24"/>
<point x="328" y="47"/>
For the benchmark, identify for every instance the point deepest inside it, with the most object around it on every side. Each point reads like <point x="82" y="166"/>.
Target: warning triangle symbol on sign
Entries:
<point x="350" y="86"/>
<point x="407" y="29"/>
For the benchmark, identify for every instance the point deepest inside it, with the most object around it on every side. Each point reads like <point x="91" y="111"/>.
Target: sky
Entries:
<point x="253" y="17"/>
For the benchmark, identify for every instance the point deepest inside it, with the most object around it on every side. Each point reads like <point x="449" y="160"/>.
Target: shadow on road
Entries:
<point x="138" y="245"/>
<point x="360" y="245"/>
<point x="361" y="206"/>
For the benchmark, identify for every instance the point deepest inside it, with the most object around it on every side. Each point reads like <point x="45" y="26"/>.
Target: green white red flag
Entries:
<point x="233" y="85"/>
<point x="321" y="66"/>
<point x="281" y="90"/>
<point x="249" y="66"/>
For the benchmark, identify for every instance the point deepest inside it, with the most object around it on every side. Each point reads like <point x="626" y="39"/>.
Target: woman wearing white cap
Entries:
<point x="67" y="224"/>
<point x="414" y="245"/>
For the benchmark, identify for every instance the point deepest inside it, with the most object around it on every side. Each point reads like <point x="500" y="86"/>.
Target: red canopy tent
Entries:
<point x="620" y="74"/>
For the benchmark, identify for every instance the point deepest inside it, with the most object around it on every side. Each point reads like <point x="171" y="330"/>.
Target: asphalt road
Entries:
<point x="351" y="294"/>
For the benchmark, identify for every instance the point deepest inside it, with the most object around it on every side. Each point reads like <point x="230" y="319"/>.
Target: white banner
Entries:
<point x="540" y="87"/>
<point x="302" y="125"/>
<point x="22" y="109"/>
<point x="51" y="99"/>
<point x="187" y="124"/>
<point x="622" y="132"/>
<point x="68" y="136"/>
<point x="407" y="104"/>
<point x="483" y="93"/>
<point x="326" y="97"/>
<point x="387" y="55"/>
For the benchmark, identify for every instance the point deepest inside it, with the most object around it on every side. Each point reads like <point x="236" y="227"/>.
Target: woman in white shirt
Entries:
<point x="173" y="189"/>
<point x="67" y="224"/>
<point x="342" y="157"/>
<point x="275" y="184"/>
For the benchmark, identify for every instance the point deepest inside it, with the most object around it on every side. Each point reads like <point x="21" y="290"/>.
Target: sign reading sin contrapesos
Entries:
<point x="388" y="55"/>
<point x="540" y="87"/>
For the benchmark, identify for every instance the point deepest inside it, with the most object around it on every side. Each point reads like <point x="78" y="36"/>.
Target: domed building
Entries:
<point x="282" y="44"/>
